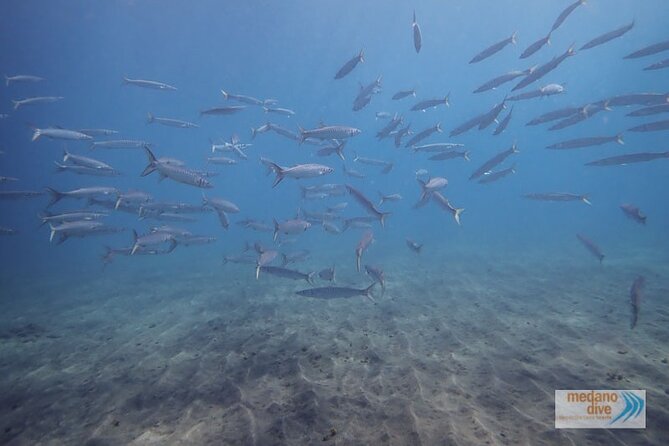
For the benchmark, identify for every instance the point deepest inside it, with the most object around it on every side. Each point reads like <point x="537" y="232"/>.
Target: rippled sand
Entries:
<point x="460" y="350"/>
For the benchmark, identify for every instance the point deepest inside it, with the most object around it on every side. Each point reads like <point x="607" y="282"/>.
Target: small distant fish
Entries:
<point x="367" y="204"/>
<point x="635" y="299"/>
<point x="299" y="171"/>
<point x="500" y="80"/>
<point x="364" y="242"/>
<point x="331" y="228"/>
<point x="332" y="292"/>
<point x="350" y="65"/>
<point x="437" y="147"/>
<point x="403" y="94"/>
<point x="401" y="133"/>
<point x="494" y="162"/>
<point x="288" y="273"/>
<point x="262" y="129"/>
<point x="504" y="123"/>
<point x="22" y="79"/>
<point x="242" y="98"/>
<point x="352" y="173"/>
<point x="243" y="259"/>
<point x="329" y="132"/>
<point x="633" y="213"/>
<point x="337" y="148"/>
<point x="179" y="174"/>
<point x="639" y="99"/>
<point x="555" y="114"/>
<point x="649" y="50"/>
<point x="120" y="144"/>
<point x="536" y="46"/>
<point x="652" y="110"/>
<point x="221" y="160"/>
<point x="391" y="197"/>
<point x="98" y="132"/>
<point x="493" y="49"/>
<point x="294" y="226"/>
<point x="423" y="134"/>
<point x="607" y="36"/>
<point x="58" y="133"/>
<point x="591" y="246"/>
<point x="622" y="160"/>
<point x="447" y="206"/>
<point x="651" y="127"/>
<point x="587" y="142"/>
<point x="377" y="275"/>
<point x="7" y="231"/>
<point x="80" y="229"/>
<point x="170" y="122"/>
<point x="82" y="170"/>
<point x="223" y="111"/>
<point x="544" y="69"/>
<point x="387" y="165"/>
<point x="484" y="120"/>
<point x="414" y="246"/>
<point x="547" y="90"/>
<point x="383" y="115"/>
<point x="18" y="194"/>
<point x="192" y="240"/>
<point x="658" y="65"/>
<point x="328" y="274"/>
<point x="417" y="37"/>
<point x="390" y="127"/>
<point x="4" y="180"/>
<point x="430" y="186"/>
<point x="4" y="115"/>
<point x="564" y="14"/>
<point x="36" y="100"/>
<point x="154" y="85"/>
<point x="279" y="111"/>
<point x="490" y="177"/>
<point x="432" y="103"/>
<point x="558" y="196"/>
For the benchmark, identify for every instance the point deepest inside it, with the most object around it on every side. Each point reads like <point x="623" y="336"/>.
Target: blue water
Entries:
<point x="290" y="51"/>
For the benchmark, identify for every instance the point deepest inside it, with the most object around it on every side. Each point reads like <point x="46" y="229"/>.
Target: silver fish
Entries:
<point x="544" y="69"/>
<point x="591" y="246"/>
<point x="622" y="160"/>
<point x="85" y="192"/>
<point x="367" y="204"/>
<point x="332" y="292"/>
<point x="547" y="90"/>
<point x="414" y="246"/>
<point x="299" y="171"/>
<point x="493" y="49"/>
<point x="81" y="228"/>
<point x="423" y="134"/>
<point x="81" y="170"/>
<point x="279" y="111"/>
<point x="22" y="79"/>
<point x="587" y="142"/>
<point x="366" y="240"/>
<point x="607" y="36"/>
<point x="633" y="213"/>
<point x="350" y="65"/>
<point x="432" y="103"/>
<point x="98" y="132"/>
<point x="403" y="94"/>
<point x="558" y="196"/>
<point x="329" y="132"/>
<point x="288" y="273"/>
<point x="564" y="14"/>
<point x="490" y="177"/>
<point x="170" y="122"/>
<point x="223" y="111"/>
<point x="658" y="65"/>
<point x="294" y="226"/>
<point x="649" y="50"/>
<point x="18" y="194"/>
<point x="504" y="123"/>
<point x="652" y="110"/>
<point x="36" y="100"/>
<point x="120" y="144"/>
<point x="500" y="80"/>
<point x="241" y="98"/>
<point x="85" y="161"/>
<point x="377" y="275"/>
<point x="151" y="239"/>
<point x="536" y="46"/>
<point x="154" y="85"/>
<point x="417" y="36"/>
<point x="493" y="162"/>
<point x="57" y="133"/>
<point x="651" y="126"/>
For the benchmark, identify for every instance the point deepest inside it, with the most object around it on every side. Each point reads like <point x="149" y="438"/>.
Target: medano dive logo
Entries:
<point x="604" y="409"/>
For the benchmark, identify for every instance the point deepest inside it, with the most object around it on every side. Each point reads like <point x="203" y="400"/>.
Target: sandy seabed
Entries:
<point x="467" y="353"/>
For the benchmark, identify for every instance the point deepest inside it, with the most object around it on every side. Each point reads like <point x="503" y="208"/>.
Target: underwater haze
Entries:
<point x="332" y="222"/>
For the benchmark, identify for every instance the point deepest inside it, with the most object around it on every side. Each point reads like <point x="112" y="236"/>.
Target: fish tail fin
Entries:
<point x="279" y="171"/>
<point x="367" y="292"/>
<point x="340" y="150"/>
<point x="149" y="118"/>
<point x="310" y="277"/>
<point x="125" y="81"/>
<point x="118" y="203"/>
<point x="586" y="200"/>
<point x="36" y="135"/>
<point x="414" y="16"/>
<point x="257" y="271"/>
<point x="53" y="232"/>
<point x="438" y="127"/>
<point x="361" y="56"/>
<point x="466" y="155"/>
<point x="301" y="135"/>
<point x="358" y="258"/>
<point x="276" y="229"/>
<point x="456" y="214"/>
<point x="173" y="244"/>
<point x="204" y="199"/>
<point x="619" y="139"/>
<point x="265" y="109"/>
<point x="382" y="198"/>
<point x="43" y="216"/>
<point x="54" y="195"/>
<point x="284" y="259"/>
<point x="254" y="132"/>
<point x="513" y="37"/>
<point x="152" y="162"/>
<point x="135" y="246"/>
<point x="447" y="99"/>
<point x="17" y="104"/>
<point x="7" y="80"/>
<point x="388" y="168"/>
<point x="225" y="95"/>
<point x="383" y="218"/>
